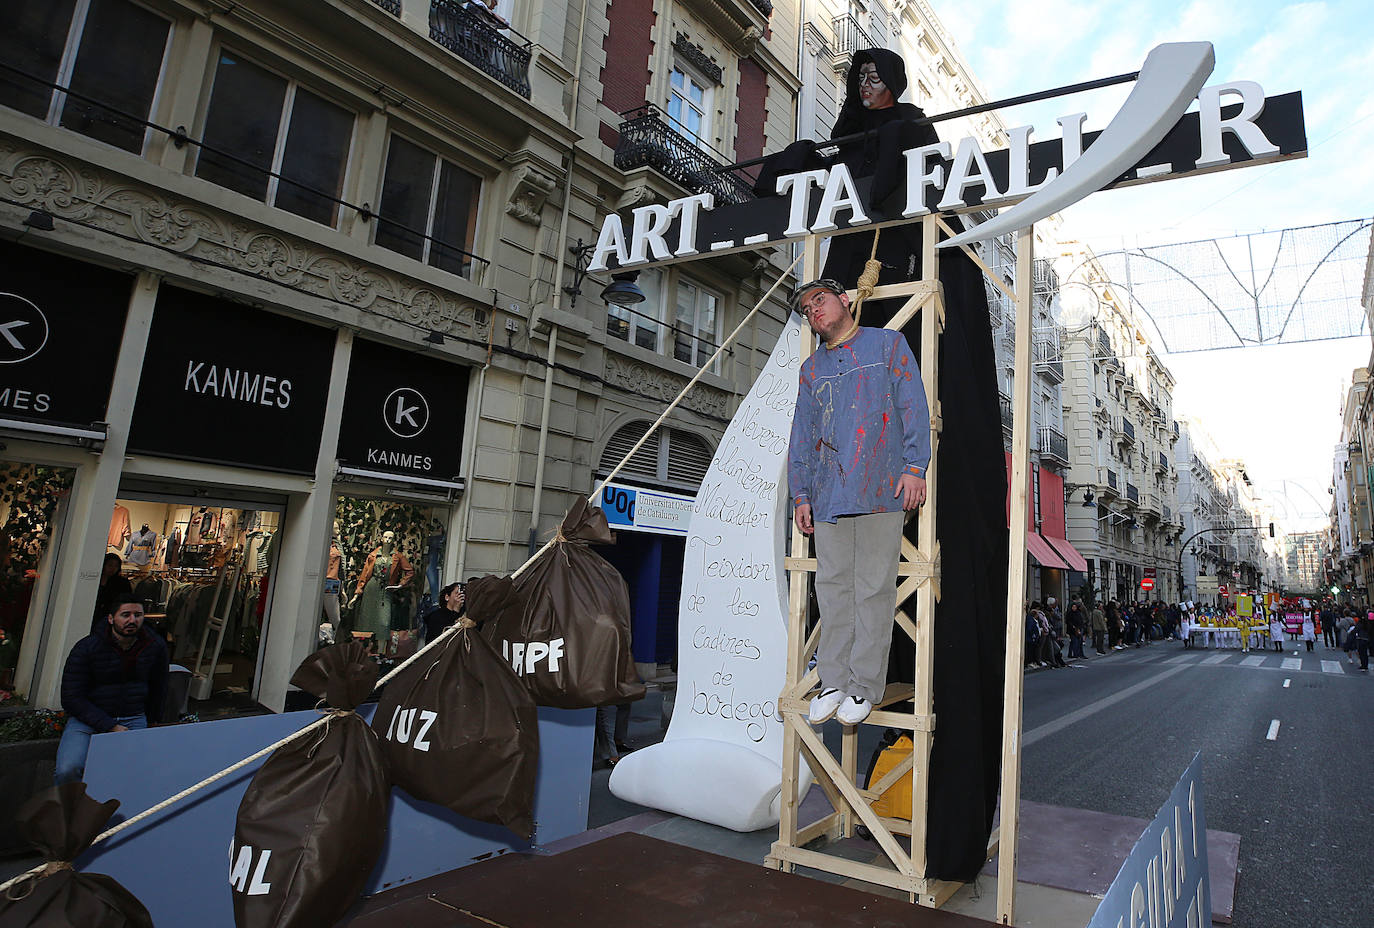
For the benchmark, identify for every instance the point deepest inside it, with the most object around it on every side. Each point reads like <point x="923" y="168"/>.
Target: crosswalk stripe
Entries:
<point x="1332" y="667"/>
<point x="1216" y="658"/>
<point x="1181" y="659"/>
<point x="1292" y="663"/>
<point x="1253" y="662"/>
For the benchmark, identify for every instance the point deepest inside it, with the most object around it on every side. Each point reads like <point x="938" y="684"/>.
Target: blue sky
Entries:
<point x="1278" y="408"/>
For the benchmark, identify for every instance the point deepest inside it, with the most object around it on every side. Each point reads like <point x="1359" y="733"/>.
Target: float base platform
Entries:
<point x="655" y="883"/>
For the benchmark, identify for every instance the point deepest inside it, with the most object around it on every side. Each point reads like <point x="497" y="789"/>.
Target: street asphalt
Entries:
<point x="1300" y="802"/>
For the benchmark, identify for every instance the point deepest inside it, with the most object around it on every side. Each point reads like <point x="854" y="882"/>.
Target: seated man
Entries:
<point x="115" y="680"/>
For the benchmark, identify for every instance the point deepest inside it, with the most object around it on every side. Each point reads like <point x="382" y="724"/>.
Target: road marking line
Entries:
<point x="1285" y="683"/>
<point x="1181" y="659"/>
<point x="1216" y="658"/>
<point x="1064" y="721"/>
<point x="1252" y="662"/>
<point x="1273" y="731"/>
<point x="1292" y="663"/>
<point x="1332" y="667"/>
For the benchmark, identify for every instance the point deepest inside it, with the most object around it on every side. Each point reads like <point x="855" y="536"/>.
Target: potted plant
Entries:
<point x="28" y="757"/>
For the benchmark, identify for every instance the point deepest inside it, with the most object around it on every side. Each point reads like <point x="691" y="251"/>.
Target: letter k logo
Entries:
<point x="23" y="328"/>
<point x="405" y="412"/>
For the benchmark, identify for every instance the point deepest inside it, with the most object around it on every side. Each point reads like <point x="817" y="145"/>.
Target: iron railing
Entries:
<point x="1004" y="402"/>
<point x="1049" y="360"/>
<point x="391" y="6"/>
<point x="647" y="140"/>
<point x="1104" y="344"/>
<point x="1168" y="514"/>
<point x="1111" y="479"/>
<point x="481" y="44"/>
<point x="850" y="37"/>
<point x="1133" y="493"/>
<point x="763" y="6"/>
<point x="1054" y="444"/>
<point x="1127" y="428"/>
<point x="1163" y="462"/>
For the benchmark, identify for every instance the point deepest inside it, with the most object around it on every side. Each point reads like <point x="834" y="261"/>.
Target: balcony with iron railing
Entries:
<point x="648" y="139"/>
<point x="1113" y="483"/>
<point x="391" y="6"/>
<point x="1133" y="493"/>
<point x="1127" y="429"/>
<point x="1049" y="360"/>
<point x="1104" y="345"/>
<point x="1054" y="445"/>
<point x="1163" y="464"/>
<point x="1004" y="402"/>
<point x="849" y="37"/>
<point x="481" y="44"/>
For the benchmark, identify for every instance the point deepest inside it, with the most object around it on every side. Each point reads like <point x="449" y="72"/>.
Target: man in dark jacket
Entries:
<point x="115" y="680"/>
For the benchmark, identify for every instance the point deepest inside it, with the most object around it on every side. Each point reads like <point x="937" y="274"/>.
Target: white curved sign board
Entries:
<point x="721" y="760"/>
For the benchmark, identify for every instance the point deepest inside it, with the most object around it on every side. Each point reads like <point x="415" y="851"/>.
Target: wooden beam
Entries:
<point x="1013" y="673"/>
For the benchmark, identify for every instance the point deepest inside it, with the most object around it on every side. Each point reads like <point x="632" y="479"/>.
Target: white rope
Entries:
<point x="129" y="823"/>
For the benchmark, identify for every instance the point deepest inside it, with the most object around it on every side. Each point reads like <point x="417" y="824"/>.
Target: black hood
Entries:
<point x="891" y="68"/>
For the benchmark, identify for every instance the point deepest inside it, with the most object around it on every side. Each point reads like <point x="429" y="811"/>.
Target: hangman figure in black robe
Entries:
<point x="971" y="484"/>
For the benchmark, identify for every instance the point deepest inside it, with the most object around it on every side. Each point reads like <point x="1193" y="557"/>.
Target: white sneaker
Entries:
<point x="854" y="710"/>
<point x="824" y="705"/>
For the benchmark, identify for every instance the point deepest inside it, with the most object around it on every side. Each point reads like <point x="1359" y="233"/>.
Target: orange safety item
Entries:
<point x="895" y="802"/>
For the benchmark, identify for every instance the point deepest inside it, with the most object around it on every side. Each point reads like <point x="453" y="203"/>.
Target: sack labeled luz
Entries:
<point x="565" y="630"/>
<point x="458" y="729"/>
<point x="61" y="822"/>
<point x="311" y="825"/>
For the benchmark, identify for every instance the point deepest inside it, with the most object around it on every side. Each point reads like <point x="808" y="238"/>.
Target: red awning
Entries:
<point x="1068" y="552"/>
<point x="1044" y="555"/>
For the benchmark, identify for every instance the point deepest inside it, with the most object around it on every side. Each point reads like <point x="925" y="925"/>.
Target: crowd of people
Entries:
<point x="1053" y="638"/>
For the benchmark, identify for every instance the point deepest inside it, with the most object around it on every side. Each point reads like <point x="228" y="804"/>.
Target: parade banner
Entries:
<point x="1151" y="138"/>
<point x="1164" y="882"/>
<point x="720" y="761"/>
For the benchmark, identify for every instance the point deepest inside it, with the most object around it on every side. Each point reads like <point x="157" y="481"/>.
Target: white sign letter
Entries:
<point x="647" y="231"/>
<point x="800" y="185"/>
<point x="962" y="175"/>
<point x="1242" y="125"/>
<point x="839" y="194"/>
<point x="920" y="174"/>
<point x="1018" y="164"/>
<point x="612" y="239"/>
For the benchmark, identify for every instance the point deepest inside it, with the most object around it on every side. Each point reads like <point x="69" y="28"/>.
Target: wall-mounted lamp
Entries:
<point x="622" y="290"/>
<point x="40" y="220"/>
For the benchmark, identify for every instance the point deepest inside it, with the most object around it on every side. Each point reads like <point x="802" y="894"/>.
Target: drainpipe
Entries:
<point x="559" y="265"/>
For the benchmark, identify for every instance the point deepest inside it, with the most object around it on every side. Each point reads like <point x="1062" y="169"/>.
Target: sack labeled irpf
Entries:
<point x="311" y="825"/>
<point x="566" y="629"/>
<point x="61" y="822"/>
<point x="458" y="729"/>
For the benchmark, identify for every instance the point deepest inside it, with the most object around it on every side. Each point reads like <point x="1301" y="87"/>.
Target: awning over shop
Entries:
<point x="1044" y="554"/>
<point x="1067" y="552"/>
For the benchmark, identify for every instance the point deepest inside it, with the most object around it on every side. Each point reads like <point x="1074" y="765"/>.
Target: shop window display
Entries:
<point x="383" y="572"/>
<point x="191" y="564"/>
<point x="29" y="497"/>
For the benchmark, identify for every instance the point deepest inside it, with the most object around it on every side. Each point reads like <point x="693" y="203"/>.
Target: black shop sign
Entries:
<point x="61" y="322"/>
<point x="403" y="414"/>
<point x="227" y="384"/>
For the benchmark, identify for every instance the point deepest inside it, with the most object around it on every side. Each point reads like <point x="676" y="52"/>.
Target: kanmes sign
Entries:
<point x="1152" y="137"/>
<point x="403" y="414"/>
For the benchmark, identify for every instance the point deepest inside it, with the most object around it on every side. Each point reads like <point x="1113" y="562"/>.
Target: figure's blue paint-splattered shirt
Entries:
<point x="862" y="421"/>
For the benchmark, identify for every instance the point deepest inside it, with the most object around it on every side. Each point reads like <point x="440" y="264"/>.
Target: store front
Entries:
<point x="400" y="457"/>
<point x="652" y="529"/>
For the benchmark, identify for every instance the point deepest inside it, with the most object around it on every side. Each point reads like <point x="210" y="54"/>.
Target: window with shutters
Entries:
<point x="671" y="457"/>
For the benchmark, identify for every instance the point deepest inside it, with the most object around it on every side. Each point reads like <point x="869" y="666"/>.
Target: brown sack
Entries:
<point x="311" y="825"/>
<point x="61" y="822"/>
<point x="566" y="629"/>
<point x="458" y="729"/>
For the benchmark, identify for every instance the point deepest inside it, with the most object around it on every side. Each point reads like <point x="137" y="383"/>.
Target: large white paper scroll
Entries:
<point x="721" y="761"/>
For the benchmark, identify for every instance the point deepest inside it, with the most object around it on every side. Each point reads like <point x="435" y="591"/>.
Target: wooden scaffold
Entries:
<point x="918" y="584"/>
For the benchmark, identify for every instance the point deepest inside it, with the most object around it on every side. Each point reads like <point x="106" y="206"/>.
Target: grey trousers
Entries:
<point x="856" y="586"/>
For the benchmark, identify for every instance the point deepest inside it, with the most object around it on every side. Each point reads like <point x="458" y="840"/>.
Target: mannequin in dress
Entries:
<point x="386" y="571"/>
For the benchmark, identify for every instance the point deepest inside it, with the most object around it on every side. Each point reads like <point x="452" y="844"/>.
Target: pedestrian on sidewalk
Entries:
<point x="1078" y="628"/>
<point x="1329" y="638"/>
<point x="1099" y="623"/>
<point x="1362" y="634"/>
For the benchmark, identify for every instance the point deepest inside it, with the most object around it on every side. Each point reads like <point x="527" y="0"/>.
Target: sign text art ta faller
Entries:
<point x="960" y="175"/>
